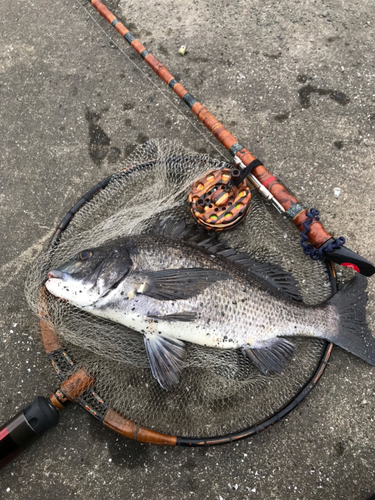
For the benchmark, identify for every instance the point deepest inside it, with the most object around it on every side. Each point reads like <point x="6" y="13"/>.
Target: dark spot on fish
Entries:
<point x="225" y="338"/>
<point x="234" y="302"/>
<point x="133" y="308"/>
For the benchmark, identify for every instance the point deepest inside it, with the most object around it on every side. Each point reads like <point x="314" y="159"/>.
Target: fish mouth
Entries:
<point x="55" y="273"/>
<point x="50" y="284"/>
<point x="53" y="278"/>
<point x="65" y="288"/>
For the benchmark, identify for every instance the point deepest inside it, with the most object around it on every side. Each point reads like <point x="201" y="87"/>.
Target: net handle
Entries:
<point x="72" y="388"/>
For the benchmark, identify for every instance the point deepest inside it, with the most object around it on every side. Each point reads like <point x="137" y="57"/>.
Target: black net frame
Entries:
<point x="96" y="405"/>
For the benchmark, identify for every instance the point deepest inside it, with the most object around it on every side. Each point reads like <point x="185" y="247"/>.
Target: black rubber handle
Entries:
<point x="347" y="258"/>
<point x="26" y="427"/>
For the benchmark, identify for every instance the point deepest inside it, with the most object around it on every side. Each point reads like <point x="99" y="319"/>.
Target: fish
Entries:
<point x="178" y="284"/>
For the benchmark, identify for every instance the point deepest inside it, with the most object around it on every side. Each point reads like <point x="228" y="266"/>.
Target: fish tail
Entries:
<point x="353" y="333"/>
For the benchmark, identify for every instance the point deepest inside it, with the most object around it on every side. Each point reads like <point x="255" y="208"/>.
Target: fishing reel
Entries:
<point x="220" y="200"/>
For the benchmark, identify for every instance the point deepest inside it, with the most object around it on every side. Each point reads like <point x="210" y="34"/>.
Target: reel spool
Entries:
<point x="218" y="201"/>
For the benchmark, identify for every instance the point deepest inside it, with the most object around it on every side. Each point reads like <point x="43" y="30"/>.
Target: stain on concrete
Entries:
<point x="272" y="56"/>
<point x="302" y="78"/>
<point x="163" y="50"/>
<point x="142" y="138"/>
<point x="128" y="150"/>
<point x="99" y="141"/>
<point x="132" y="456"/>
<point x="282" y="117"/>
<point x="306" y="91"/>
<point x="338" y="144"/>
<point x="127" y="106"/>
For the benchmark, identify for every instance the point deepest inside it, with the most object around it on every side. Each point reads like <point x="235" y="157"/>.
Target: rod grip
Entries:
<point x="347" y="258"/>
<point x="25" y="427"/>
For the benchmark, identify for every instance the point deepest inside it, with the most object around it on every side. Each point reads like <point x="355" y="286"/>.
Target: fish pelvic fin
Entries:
<point x="272" y="357"/>
<point x="353" y="333"/>
<point x="166" y="358"/>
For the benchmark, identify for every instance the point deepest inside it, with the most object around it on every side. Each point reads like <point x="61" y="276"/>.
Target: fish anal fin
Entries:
<point x="166" y="358"/>
<point x="272" y="357"/>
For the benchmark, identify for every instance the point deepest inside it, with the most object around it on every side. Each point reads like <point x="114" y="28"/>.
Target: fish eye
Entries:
<point x="85" y="255"/>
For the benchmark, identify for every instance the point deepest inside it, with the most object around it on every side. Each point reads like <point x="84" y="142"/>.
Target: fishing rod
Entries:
<point x="221" y="203"/>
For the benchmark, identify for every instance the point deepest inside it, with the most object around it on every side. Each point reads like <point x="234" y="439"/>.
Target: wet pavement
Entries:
<point x="294" y="82"/>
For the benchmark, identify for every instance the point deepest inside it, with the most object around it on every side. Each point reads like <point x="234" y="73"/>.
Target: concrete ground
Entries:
<point x="294" y="81"/>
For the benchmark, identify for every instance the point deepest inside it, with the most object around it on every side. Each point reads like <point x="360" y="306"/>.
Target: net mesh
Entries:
<point x="219" y="392"/>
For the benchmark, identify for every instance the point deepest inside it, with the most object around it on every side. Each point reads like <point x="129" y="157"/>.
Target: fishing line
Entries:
<point x="151" y="82"/>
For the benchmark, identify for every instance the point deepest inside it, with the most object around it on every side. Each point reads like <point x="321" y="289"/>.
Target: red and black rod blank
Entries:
<point x="317" y="235"/>
<point x="27" y="426"/>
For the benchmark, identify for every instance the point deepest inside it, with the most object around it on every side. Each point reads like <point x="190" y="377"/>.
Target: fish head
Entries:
<point x="90" y="274"/>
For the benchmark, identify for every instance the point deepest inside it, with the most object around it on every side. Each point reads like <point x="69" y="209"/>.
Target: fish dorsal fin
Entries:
<point x="272" y="276"/>
<point x="166" y="358"/>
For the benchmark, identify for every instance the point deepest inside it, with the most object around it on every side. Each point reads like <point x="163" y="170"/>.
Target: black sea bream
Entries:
<point x="180" y="285"/>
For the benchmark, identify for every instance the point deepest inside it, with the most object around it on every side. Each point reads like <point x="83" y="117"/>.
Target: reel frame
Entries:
<point x="216" y="203"/>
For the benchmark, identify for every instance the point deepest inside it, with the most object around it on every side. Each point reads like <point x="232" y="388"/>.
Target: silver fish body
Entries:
<point x="230" y="313"/>
<point x="175" y="290"/>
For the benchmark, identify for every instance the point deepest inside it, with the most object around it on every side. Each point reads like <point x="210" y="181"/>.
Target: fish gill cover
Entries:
<point x="219" y="392"/>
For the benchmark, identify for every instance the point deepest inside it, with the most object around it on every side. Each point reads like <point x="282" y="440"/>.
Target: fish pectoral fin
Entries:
<point x="182" y="316"/>
<point x="179" y="284"/>
<point x="166" y="358"/>
<point x="272" y="357"/>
